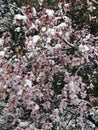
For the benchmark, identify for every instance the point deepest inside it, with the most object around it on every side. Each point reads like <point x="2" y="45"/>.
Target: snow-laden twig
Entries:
<point x="11" y="5"/>
<point x="65" y="40"/>
<point x="95" y="1"/>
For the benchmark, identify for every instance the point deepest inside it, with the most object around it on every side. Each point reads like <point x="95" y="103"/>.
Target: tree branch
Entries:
<point x="92" y="120"/>
<point x="95" y="1"/>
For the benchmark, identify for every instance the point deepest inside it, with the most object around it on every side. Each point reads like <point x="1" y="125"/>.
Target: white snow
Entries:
<point x="35" y="39"/>
<point x="23" y="124"/>
<point x="86" y="48"/>
<point x="37" y="23"/>
<point x="28" y="83"/>
<point x="88" y="36"/>
<point x="57" y="46"/>
<point x="48" y="40"/>
<point x="33" y="27"/>
<point x="49" y="48"/>
<point x="1" y="41"/>
<point x="67" y="19"/>
<point x="62" y="25"/>
<point x="36" y="108"/>
<point x="72" y="86"/>
<point x="34" y="12"/>
<point x="83" y="48"/>
<point x="20" y="17"/>
<point x="51" y="32"/>
<point x="49" y="12"/>
<point x="20" y="92"/>
<point x="17" y="29"/>
<point x="2" y="53"/>
<point x="43" y="29"/>
<point x="52" y="62"/>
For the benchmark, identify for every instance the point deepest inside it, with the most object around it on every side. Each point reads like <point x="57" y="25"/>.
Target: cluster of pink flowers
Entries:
<point x="44" y="89"/>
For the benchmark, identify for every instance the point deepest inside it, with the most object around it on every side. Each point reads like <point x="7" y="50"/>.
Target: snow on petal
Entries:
<point x="43" y="29"/>
<point x="72" y="86"/>
<point x="23" y="124"/>
<point x="20" y="17"/>
<point x="83" y="48"/>
<point x="51" y="32"/>
<point x="20" y="92"/>
<point x="49" y="12"/>
<point x="18" y="29"/>
<point x="28" y="83"/>
<point x="88" y="36"/>
<point x="58" y="46"/>
<point x="34" y="11"/>
<point x="1" y="41"/>
<point x="36" y="38"/>
<point x="51" y="50"/>
<point x="2" y="53"/>
<point x="62" y="25"/>
<point x="36" y="107"/>
<point x="33" y="27"/>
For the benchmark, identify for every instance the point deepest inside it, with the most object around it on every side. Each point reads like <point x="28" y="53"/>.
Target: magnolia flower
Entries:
<point x="51" y="49"/>
<point x="32" y="27"/>
<point x="17" y="29"/>
<point x="63" y="104"/>
<point x="83" y="94"/>
<point x="72" y="86"/>
<point x="55" y="116"/>
<point x="76" y="61"/>
<point x="49" y="12"/>
<point x="47" y="126"/>
<point x="28" y="83"/>
<point x="32" y="105"/>
<point x="36" y="108"/>
<point x="51" y="32"/>
<point x="67" y="19"/>
<point x="35" y="39"/>
<point x="83" y="48"/>
<point x="30" y="11"/>
<point x="23" y="124"/>
<point x="37" y="93"/>
<point x="62" y="26"/>
<point x="6" y="37"/>
<point x="20" y="17"/>
<point x="34" y="11"/>
<point x="68" y="35"/>
<point x="74" y="99"/>
<point x="40" y="2"/>
<point x="47" y="105"/>
<point x="52" y="62"/>
<point x="66" y="7"/>
<point x="43" y="29"/>
<point x="45" y="33"/>
<point x="88" y="127"/>
<point x="56" y="112"/>
<point x="64" y="93"/>
<point x="1" y="41"/>
<point x="2" y="53"/>
<point x="77" y="34"/>
<point x="90" y="6"/>
<point x="57" y="47"/>
<point x="20" y="92"/>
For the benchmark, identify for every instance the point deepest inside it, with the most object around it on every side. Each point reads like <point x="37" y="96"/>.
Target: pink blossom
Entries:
<point x="66" y="7"/>
<point x="47" y="126"/>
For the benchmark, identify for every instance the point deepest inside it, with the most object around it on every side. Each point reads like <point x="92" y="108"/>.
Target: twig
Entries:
<point x="95" y="1"/>
<point x="17" y="8"/>
<point x="65" y="40"/>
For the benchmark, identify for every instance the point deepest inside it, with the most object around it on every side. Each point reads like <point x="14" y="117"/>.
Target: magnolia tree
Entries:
<point x="48" y="64"/>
